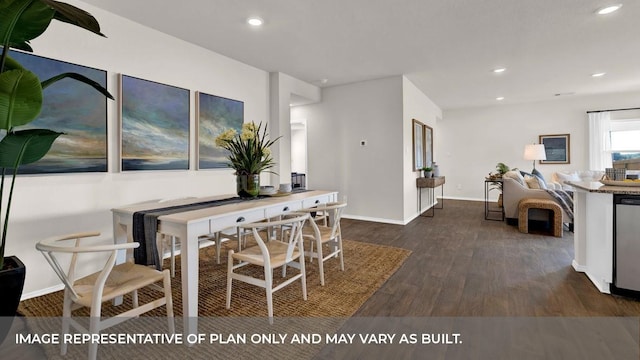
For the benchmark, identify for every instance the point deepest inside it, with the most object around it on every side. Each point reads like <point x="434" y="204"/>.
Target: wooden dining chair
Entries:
<point x="324" y="230"/>
<point x="281" y="252"/>
<point x="105" y="285"/>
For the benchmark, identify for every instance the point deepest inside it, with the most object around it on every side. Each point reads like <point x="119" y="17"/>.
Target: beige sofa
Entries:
<point x="513" y="190"/>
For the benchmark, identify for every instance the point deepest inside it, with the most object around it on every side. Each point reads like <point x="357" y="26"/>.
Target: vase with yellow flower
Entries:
<point x="249" y="155"/>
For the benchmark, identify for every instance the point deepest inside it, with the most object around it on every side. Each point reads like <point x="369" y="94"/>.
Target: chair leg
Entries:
<point x="94" y="328"/>
<point x="218" y="247"/>
<point x="320" y="261"/>
<point x="341" y="256"/>
<point x="66" y="316"/>
<point x="134" y="298"/>
<point x="269" y="290"/>
<point x="229" y="279"/>
<point x="166" y="281"/>
<point x="173" y="256"/>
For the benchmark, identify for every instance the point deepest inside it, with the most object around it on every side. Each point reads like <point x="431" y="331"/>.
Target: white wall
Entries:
<point x="50" y="205"/>
<point x="472" y="141"/>
<point x="299" y="145"/>
<point x="370" y="176"/>
<point x="416" y="105"/>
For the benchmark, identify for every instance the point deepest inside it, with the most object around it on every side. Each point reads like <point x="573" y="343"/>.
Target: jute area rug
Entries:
<point x="367" y="267"/>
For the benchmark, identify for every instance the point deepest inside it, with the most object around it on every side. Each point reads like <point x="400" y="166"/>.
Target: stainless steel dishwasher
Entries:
<point x="626" y="242"/>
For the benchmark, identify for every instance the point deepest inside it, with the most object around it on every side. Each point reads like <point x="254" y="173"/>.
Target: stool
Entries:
<point x="528" y="203"/>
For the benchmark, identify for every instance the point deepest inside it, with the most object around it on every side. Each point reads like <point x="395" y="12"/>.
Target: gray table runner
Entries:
<point x="145" y="226"/>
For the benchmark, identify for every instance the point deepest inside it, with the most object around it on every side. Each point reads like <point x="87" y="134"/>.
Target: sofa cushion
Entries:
<point x="534" y="182"/>
<point x="515" y="175"/>
<point x="568" y="176"/>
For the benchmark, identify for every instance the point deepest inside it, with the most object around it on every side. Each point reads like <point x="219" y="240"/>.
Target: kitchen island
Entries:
<point x="594" y="230"/>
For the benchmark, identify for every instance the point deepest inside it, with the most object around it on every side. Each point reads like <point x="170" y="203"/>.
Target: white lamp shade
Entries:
<point x="535" y="152"/>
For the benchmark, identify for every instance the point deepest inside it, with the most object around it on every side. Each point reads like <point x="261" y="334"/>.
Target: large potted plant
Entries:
<point x="21" y="96"/>
<point x="249" y="155"/>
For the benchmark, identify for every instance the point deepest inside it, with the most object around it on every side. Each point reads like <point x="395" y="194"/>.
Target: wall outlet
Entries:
<point x="459" y="186"/>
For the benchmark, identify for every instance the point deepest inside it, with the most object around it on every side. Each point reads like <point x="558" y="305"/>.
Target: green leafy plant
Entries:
<point x="21" y="91"/>
<point x="249" y="150"/>
<point x="426" y="168"/>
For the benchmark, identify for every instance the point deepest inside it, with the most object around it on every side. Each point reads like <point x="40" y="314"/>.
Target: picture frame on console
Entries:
<point x="557" y="148"/>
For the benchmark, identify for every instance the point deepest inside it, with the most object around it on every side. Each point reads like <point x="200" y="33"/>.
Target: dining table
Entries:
<point x="188" y="225"/>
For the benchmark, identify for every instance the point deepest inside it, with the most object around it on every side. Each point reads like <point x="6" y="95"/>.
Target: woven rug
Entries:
<point x="367" y="267"/>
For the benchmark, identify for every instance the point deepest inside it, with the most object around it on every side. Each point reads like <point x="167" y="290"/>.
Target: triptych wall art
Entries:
<point x="154" y="122"/>
<point x="76" y="110"/>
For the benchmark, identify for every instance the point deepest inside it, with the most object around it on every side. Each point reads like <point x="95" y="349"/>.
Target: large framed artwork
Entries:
<point x="73" y="108"/>
<point x="154" y="121"/>
<point x="215" y="114"/>
<point x="557" y="148"/>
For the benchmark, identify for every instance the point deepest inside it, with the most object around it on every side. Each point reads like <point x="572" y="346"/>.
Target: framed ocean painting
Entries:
<point x="73" y="108"/>
<point x="215" y="114"/>
<point x="154" y="121"/>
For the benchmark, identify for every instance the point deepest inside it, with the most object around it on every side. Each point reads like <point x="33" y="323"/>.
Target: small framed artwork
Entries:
<point x="418" y="145"/>
<point x="215" y="114"/>
<point x="154" y="121"/>
<point x="557" y="148"/>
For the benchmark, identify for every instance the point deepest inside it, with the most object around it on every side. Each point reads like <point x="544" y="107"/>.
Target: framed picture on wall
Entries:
<point x="557" y="148"/>
<point x="215" y="114"/>
<point x="428" y="146"/>
<point x="154" y="120"/>
<point x="76" y="110"/>
<point x="418" y="145"/>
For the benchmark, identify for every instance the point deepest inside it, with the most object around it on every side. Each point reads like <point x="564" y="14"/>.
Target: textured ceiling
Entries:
<point x="446" y="48"/>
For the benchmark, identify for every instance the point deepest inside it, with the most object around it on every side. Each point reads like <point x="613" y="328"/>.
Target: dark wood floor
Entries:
<point x="463" y="265"/>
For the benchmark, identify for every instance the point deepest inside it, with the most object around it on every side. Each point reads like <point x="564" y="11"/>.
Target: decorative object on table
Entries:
<point x="436" y="169"/>
<point x="249" y="155"/>
<point x="68" y="108"/>
<point x="556" y="148"/>
<point x="155" y="125"/>
<point x="215" y="114"/>
<point x="285" y="188"/>
<point x="428" y="171"/>
<point x="535" y="152"/>
<point x="21" y="101"/>
<point x="620" y="174"/>
<point x="268" y="190"/>
<point x="610" y="173"/>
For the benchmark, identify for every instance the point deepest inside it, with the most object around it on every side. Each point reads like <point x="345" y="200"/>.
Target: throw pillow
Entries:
<point x="534" y="182"/>
<point x="515" y="175"/>
<point x="539" y="174"/>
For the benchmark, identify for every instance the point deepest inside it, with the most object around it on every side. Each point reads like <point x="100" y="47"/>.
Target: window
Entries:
<point x="625" y="143"/>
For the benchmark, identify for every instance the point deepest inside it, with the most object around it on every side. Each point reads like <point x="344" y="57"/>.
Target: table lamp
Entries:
<point x="535" y="152"/>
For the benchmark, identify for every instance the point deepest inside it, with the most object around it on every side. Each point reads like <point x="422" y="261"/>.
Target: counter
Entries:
<point x="593" y="230"/>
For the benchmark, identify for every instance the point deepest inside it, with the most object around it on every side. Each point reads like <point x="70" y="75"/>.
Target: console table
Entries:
<point x="430" y="184"/>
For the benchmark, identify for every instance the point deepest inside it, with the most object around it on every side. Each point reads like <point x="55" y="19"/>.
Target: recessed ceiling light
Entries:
<point x="500" y="98"/>
<point x="255" y="21"/>
<point x="608" y="9"/>
<point x="499" y="70"/>
<point x="598" y="74"/>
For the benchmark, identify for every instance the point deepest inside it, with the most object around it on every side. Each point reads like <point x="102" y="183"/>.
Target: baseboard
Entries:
<point x="374" y="219"/>
<point x="603" y="287"/>
<point x="462" y="198"/>
<point x="577" y="267"/>
<point x="41" y="292"/>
